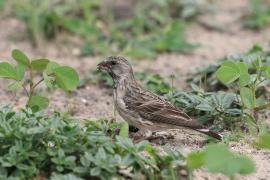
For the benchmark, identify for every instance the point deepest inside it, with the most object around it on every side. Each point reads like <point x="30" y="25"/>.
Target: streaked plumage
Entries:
<point x="141" y="108"/>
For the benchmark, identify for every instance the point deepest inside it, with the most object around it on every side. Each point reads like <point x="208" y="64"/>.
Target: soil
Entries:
<point x="95" y="102"/>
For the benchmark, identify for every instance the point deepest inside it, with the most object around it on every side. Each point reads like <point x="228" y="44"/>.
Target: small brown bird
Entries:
<point x="141" y="108"/>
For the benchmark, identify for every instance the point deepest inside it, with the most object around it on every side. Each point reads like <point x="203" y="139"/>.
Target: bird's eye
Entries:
<point x="113" y="63"/>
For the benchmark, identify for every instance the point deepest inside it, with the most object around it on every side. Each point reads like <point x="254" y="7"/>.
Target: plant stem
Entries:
<point x="35" y="85"/>
<point x="31" y="89"/>
<point x="25" y="90"/>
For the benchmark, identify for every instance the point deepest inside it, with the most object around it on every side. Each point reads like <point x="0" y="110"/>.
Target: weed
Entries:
<point x="249" y="81"/>
<point x="259" y="15"/>
<point x="205" y="77"/>
<point x="221" y="109"/>
<point x="36" y="145"/>
<point x="228" y="163"/>
<point x="26" y="71"/>
<point x="142" y="34"/>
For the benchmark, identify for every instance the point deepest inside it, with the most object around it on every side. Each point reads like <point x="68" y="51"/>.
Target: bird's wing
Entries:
<point x="152" y="108"/>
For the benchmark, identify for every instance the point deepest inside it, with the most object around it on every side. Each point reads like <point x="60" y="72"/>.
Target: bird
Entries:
<point x="143" y="109"/>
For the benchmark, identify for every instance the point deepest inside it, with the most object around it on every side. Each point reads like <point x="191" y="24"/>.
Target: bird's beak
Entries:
<point x="102" y="66"/>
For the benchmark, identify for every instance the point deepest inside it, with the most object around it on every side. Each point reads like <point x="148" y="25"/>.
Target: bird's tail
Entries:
<point x="210" y="133"/>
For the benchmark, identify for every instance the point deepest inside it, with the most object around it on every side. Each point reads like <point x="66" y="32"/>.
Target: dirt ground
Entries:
<point x="96" y="102"/>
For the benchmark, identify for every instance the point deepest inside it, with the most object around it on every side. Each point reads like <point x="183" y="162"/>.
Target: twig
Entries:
<point x="37" y="83"/>
<point x="24" y="88"/>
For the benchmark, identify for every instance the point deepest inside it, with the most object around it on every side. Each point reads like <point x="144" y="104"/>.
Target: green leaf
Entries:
<point x="195" y="160"/>
<point x="214" y="152"/>
<point x="36" y="130"/>
<point x="51" y="66"/>
<point x="124" y="130"/>
<point x="247" y="166"/>
<point x="38" y="102"/>
<point x="7" y="71"/>
<point x="247" y="97"/>
<point x="48" y="80"/>
<point x="20" y="71"/>
<point x="228" y="72"/>
<point x="218" y="159"/>
<point x="15" y="86"/>
<point x="257" y="63"/>
<point x="267" y="72"/>
<point x="95" y="171"/>
<point x="263" y="141"/>
<point x="39" y="64"/>
<point x="243" y="68"/>
<point x="66" y="78"/>
<point x="244" y="79"/>
<point x="20" y="57"/>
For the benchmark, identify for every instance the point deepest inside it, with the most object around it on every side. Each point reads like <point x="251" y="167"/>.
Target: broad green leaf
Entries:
<point x="228" y="72"/>
<point x="20" y="57"/>
<point x="243" y="68"/>
<point x="247" y="97"/>
<point x="7" y="71"/>
<point x="267" y="72"/>
<point x="51" y="66"/>
<point x="195" y="160"/>
<point x="20" y="71"/>
<point x="66" y="78"/>
<point x="218" y="159"/>
<point x="38" y="102"/>
<point x="263" y="141"/>
<point x="39" y="64"/>
<point x="244" y="79"/>
<point x="247" y="166"/>
<point x="214" y="152"/>
<point x="124" y="130"/>
<point x="15" y="86"/>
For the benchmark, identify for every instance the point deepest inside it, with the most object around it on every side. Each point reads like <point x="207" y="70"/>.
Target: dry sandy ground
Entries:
<point x="96" y="102"/>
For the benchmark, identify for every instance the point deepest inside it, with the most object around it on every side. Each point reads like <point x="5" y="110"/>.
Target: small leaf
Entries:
<point x="20" y="71"/>
<point x="15" y="86"/>
<point x="257" y="63"/>
<point x="95" y="171"/>
<point x="263" y="141"/>
<point x="228" y="72"/>
<point x="20" y="57"/>
<point x="247" y="97"/>
<point x="51" y="66"/>
<point x="36" y="130"/>
<point x="39" y="64"/>
<point x="218" y="159"/>
<point x="38" y="102"/>
<point x="247" y="166"/>
<point x="244" y="79"/>
<point x="7" y="71"/>
<point x="195" y="160"/>
<point x="66" y="78"/>
<point x="48" y="80"/>
<point x="243" y="68"/>
<point x="267" y="72"/>
<point x="124" y="130"/>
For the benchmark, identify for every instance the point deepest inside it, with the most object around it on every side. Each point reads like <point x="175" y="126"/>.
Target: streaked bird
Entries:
<point x="141" y="108"/>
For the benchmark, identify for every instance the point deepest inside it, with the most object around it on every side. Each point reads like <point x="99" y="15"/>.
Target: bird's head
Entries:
<point x="117" y="67"/>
